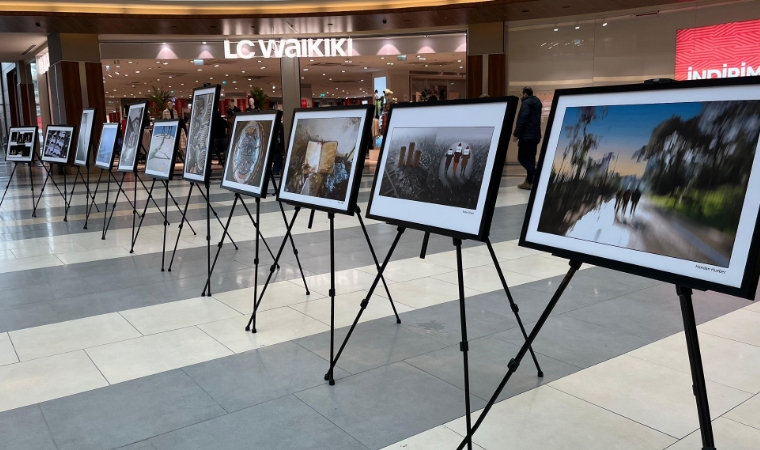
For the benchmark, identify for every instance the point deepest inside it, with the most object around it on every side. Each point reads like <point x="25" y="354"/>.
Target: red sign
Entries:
<point x="718" y="51"/>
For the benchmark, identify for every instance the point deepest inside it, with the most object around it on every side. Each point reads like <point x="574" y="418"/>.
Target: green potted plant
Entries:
<point x="260" y="97"/>
<point x="158" y="98"/>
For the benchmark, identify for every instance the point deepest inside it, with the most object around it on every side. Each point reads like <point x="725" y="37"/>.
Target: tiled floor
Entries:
<point x="99" y="349"/>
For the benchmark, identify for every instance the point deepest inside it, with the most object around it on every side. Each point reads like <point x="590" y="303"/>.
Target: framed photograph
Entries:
<point x="133" y="135"/>
<point x="661" y="181"/>
<point x="198" y="153"/>
<point x="57" y="144"/>
<point x="162" y="151"/>
<point x="325" y="158"/>
<point x="440" y="165"/>
<point x="252" y="140"/>
<point x="21" y="144"/>
<point x="84" y="137"/>
<point x="109" y="143"/>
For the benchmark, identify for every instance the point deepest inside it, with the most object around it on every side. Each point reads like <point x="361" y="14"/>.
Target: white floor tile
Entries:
<point x="747" y="413"/>
<point x="156" y="353"/>
<point x="469" y="259"/>
<point x="546" y="419"/>
<point x="279" y="294"/>
<point x="741" y="326"/>
<point x="486" y="279"/>
<point x="34" y="262"/>
<point x="7" y="353"/>
<point x="63" y="337"/>
<point x="537" y="266"/>
<point x="347" y="307"/>
<point x="407" y="269"/>
<point x="30" y="382"/>
<point x="727" y="362"/>
<point x="425" y="292"/>
<point x="273" y="326"/>
<point x="180" y="314"/>
<point x="755" y="306"/>
<point x="345" y="281"/>
<point x="436" y="438"/>
<point x="97" y="254"/>
<point x="663" y="397"/>
<point x="728" y="435"/>
<point x="506" y="250"/>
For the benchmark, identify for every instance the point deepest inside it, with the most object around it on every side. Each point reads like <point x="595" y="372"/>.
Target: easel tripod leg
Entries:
<point x="166" y="222"/>
<point x="179" y="233"/>
<point x="105" y="207"/>
<point x="145" y="210"/>
<point x="331" y="217"/>
<point x="208" y="234"/>
<point x="256" y="225"/>
<point x="365" y="302"/>
<point x="220" y="244"/>
<point x="515" y="363"/>
<point x="377" y="263"/>
<point x="697" y="372"/>
<point x="464" y="345"/>
<point x="15" y="165"/>
<point x="512" y="304"/>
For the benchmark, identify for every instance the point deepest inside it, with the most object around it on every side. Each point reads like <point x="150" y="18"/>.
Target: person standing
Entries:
<point x="527" y="134"/>
<point x="449" y="157"/>
<point x="252" y="105"/>
<point x="457" y="157"/>
<point x="465" y="159"/>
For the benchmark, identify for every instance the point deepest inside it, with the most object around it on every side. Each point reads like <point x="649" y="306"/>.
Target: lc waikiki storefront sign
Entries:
<point x="289" y="48"/>
<point x="718" y="51"/>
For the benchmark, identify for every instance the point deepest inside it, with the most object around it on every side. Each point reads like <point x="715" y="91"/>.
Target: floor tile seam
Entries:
<point x="405" y="361"/>
<point x="330" y="421"/>
<point x="725" y="337"/>
<point x="618" y="414"/>
<point x="687" y="372"/>
<point x="108" y="382"/>
<point x="13" y="346"/>
<point x="723" y="416"/>
<point x="215" y="340"/>
<point x="211" y="397"/>
<point x="47" y="425"/>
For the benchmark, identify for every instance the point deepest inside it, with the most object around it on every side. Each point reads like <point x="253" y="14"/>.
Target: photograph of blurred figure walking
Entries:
<point x="668" y="179"/>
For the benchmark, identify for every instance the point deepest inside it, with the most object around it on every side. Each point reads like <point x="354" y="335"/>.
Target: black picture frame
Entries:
<point x="494" y="179"/>
<point x="145" y="120"/>
<point x="35" y="143"/>
<point x="175" y="150"/>
<point x="88" y="144"/>
<point x="43" y="158"/>
<point x="215" y="106"/>
<point x="114" y="145"/>
<point x="276" y="126"/>
<point x="751" y="274"/>
<point x="360" y="152"/>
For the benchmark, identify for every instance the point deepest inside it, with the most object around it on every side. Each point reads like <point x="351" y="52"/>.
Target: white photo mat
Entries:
<point x="108" y="137"/>
<point x="30" y="145"/>
<point x="50" y="132"/>
<point x="341" y="205"/>
<point x="195" y="140"/>
<point x="430" y="214"/>
<point x="84" y="137"/>
<point x="732" y="275"/>
<point x="162" y="146"/>
<point x="239" y="120"/>
<point x="132" y="138"/>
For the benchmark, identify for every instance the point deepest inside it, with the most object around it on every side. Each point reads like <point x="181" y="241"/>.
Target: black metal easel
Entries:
<point x="31" y="180"/>
<point x="49" y="176"/>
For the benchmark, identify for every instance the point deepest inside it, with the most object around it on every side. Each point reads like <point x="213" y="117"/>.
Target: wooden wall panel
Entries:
<point x="10" y="81"/>
<point x="72" y="92"/>
<point x="474" y="76"/>
<point x="497" y="75"/>
<point x="96" y="98"/>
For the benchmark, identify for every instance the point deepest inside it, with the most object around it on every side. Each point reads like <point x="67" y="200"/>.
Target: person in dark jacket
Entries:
<point x="528" y="134"/>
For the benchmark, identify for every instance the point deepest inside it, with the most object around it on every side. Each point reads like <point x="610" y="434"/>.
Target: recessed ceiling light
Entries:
<point x="216" y="65"/>
<point x="243" y="71"/>
<point x="210" y="78"/>
<point x="382" y="57"/>
<point x="461" y="67"/>
<point x="343" y="71"/>
<point x="577" y="28"/>
<point x="259" y="60"/>
<point x="305" y="70"/>
<point x="365" y="68"/>
<point x="129" y="62"/>
<point x="604" y="24"/>
<point x="137" y="71"/>
<point x="158" y="62"/>
<point x="204" y="42"/>
<point x="556" y="29"/>
<point x="263" y="67"/>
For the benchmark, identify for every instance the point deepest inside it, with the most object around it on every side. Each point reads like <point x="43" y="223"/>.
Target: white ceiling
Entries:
<point x="12" y="45"/>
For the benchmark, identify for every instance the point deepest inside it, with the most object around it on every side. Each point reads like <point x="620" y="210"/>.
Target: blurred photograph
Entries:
<point x="198" y="139"/>
<point x="132" y="137"/>
<point x="104" y="157"/>
<point x="667" y="178"/>
<point x="57" y="144"/>
<point x="247" y="157"/>
<point x="84" y="137"/>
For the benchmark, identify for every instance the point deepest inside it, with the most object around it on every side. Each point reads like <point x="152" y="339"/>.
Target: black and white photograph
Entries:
<point x="107" y="146"/>
<point x="664" y="183"/>
<point x="21" y="144"/>
<point x="84" y="137"/>
<point x="197" y="156"/>
<point x="437" y="165"/>
<point x="57" y="144"/>
<point x="441" y="163"/>
<point x="248" y="155"/>
<point x="321" y="162"/>
<point x="162" y="149"/>
<point x="133" y="134"/>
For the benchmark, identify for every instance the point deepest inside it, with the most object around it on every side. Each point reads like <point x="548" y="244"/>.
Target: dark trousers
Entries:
<point x="526" y="156"/>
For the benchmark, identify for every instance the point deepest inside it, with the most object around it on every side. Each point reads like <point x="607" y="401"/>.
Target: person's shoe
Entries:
<point x="525" y="186"/>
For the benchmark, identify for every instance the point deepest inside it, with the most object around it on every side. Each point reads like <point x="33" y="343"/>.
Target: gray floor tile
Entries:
<point x="27" y="316"/>
<point x="488" y="359"/>
<point x="388" y="404"/>
<point x="575" y="342"/>
<point x="443" y="323"/>
<point x="142" y="445"/>
<point x="25" y="429"/>
<point x="104" y="302"/>
<point x="128" y="412"/>
<point x="285" y="423"/>
<point x="373" y="344"/>
<point x="255" y="377"/>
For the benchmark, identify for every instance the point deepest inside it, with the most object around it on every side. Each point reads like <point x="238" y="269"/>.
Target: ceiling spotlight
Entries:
<point x="130" y="62"/>
<point x="263" y="67"/>
<point x="137" y="71"/>
<point x="577" y="28"/>
<point x="305" y="70"/>
<point x="556" y="29"/>
<point x="365" y="68"/>
<point x="216" y="65"/>
<point x="204" y="42"/>
<point x="604" y="24"/>
<point x="343" y="71"/>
